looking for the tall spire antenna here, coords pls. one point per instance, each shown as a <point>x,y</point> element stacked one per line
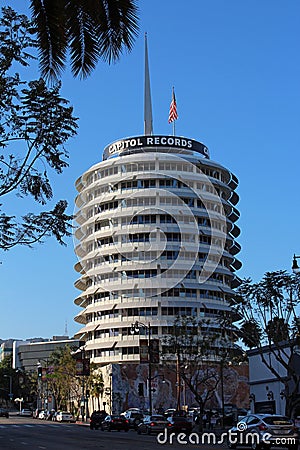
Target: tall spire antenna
<point>148,122</point>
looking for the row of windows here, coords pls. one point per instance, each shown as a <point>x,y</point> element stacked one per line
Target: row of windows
<point>143,219</point>
<point>139,201</point>
<point>192,185</point>
<point>151,201</point>
<point>151,293</point>
<point>156,219</point>
<point>99,352</point>
<point>180,292</point>
<point>148,273</point>
<point>146,311</point>
<point>150,166</point>
<point>109,332</point>
<point>107,206</point>
<point>170,237</point>
<point>138,184</point>
<point>178,311</point>
<point>166,330</point>
<point>129,312</point>
<point>126,331</point>
<point>169,183</point>
<point>164,218</point>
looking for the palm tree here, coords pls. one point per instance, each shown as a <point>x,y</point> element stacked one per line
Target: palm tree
<point>96,385</point>
<point>89,29</point>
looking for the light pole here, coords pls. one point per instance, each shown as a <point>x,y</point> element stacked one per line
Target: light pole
<point>295,267</point>
<point>10,387</point>
<point>222,390</point>
<point>135,329</point>
<point>40,377</point>
<point>110,392</point>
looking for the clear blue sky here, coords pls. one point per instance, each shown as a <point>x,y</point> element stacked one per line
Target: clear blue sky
<point>236,71</point>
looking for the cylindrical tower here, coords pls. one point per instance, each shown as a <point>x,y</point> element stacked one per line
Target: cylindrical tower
<point>156,240</point>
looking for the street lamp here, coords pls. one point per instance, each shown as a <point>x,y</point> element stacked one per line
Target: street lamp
<point>135,329</point>
<point>283,395</point>
<point>252,398</point>
<point>295,267</point>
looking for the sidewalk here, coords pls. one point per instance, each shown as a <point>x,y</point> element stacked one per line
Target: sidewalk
<point>84,424</point>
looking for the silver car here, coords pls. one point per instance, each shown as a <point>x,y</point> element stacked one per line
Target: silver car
<point>264,431</point>
<point>152,424</point>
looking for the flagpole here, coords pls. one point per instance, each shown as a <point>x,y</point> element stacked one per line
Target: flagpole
<point>173,116</point>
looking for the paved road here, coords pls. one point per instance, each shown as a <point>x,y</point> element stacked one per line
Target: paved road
<point>20,433</point>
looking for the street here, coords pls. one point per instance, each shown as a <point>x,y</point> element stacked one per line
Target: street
<point>20,433</point>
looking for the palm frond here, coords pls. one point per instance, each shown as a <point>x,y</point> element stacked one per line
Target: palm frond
<point>118,28</point>
<point>83,42</point>
<point>90,29</point>
<point>49,18</point>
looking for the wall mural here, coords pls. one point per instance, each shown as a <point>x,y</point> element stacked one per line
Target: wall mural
<point>127,387</point>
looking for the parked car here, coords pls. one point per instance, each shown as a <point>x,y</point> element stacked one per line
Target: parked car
<point>4,413</point>
<point>96,419</point>
<point>264,430</point>
<point>50,414</point>
<point>42,415</point>
<point>169,412</point>
<point>26,412</point>
<point>64,416</point>
<point>179,424</point>
<point>134,417</point>
<point>53,418</point>
<point>115,423</point>
<point>36,413</point>
<point>152,424</point>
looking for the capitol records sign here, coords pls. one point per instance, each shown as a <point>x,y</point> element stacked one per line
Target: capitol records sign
<point>157,143</point>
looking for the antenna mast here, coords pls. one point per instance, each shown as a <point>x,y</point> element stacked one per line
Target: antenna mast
<point>148,121</point>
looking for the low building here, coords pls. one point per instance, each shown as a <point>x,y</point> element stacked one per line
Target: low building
<point>28,355</point>
<point>6,349</point>
<point>270,384</point>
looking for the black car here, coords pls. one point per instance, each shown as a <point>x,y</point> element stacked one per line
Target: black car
<point>96,419</point>
<point>179,424</point>
<point>115,423</point>
<point>4,413</point>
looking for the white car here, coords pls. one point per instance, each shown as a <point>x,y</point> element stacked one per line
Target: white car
<point>42,415</point>
<point>26,413</point>
<point>64,416</point>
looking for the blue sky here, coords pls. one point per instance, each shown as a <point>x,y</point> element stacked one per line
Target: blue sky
<point>236,71</point>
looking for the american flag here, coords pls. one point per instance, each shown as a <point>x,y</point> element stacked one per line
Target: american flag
<point>173,109</point>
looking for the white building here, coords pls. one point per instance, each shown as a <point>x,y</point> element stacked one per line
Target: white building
<point>156,240</point>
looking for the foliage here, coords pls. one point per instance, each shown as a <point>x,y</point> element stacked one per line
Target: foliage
<point>6,364</point>
<point>89,29</point>
<point>61,377</point>
<point>21,384</point>
<point>35,124</point>
<point>270,323</point>
<point>96,384</point>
